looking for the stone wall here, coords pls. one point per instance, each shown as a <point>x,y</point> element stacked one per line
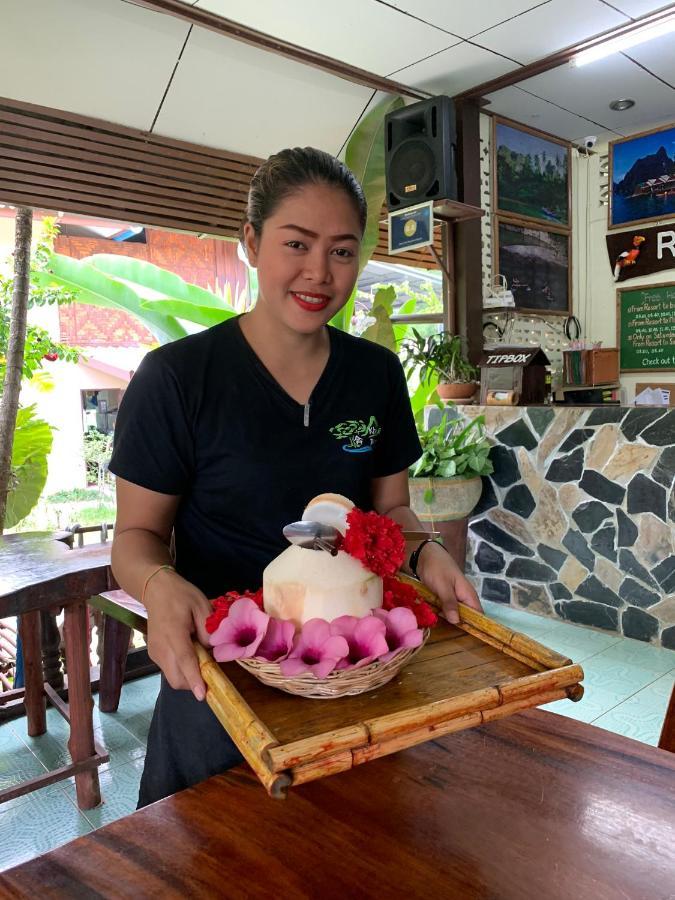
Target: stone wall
<point>577,520</point>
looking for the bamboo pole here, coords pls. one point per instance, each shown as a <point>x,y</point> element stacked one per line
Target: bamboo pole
<point>417,736</point>
<point>320,746</point>
<point>241,723</point>
<point>328,765</point>
<point>553,679</point>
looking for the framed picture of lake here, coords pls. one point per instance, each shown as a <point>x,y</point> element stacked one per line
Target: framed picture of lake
<point>530,174</point>
<point>642,177</point>
<point>536,264</point>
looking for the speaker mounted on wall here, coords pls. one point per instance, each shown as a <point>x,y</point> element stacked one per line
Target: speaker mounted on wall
<point>420,153</point>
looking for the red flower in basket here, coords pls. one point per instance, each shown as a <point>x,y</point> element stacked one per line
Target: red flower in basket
<point>377,541</point>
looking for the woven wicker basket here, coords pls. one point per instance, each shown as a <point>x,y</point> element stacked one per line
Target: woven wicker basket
<point>338,684</point>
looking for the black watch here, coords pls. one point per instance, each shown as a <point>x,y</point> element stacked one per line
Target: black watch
<point>415,555</point>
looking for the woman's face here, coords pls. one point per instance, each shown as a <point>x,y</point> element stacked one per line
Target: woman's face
<point>307,257</point>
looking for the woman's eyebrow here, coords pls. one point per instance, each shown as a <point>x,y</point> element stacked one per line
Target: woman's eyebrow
<point>313,234</point>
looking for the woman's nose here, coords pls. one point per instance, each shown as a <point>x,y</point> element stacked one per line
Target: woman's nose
<point>317,268</point>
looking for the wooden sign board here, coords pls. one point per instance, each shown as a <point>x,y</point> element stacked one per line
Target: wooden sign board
<point>646,328</point>
<point>641,251</point>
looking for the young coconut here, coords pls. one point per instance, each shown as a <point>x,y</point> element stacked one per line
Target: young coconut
<point>303,584</point>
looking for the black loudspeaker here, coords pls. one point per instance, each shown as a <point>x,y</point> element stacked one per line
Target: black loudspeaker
<point>420,153</point>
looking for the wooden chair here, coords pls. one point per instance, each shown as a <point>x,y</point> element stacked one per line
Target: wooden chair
<point>121,615</point>
<point>667,739</point>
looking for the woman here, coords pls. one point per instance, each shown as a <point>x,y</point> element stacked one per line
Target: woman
<point>224,436</point>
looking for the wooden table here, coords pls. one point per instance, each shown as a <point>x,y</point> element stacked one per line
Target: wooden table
<point>38,574</point>
<point>535,806</point>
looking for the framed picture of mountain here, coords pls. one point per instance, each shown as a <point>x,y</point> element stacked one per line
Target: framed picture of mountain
<point>530,174</point>
<point>536,264</point>
<point>642,177</point>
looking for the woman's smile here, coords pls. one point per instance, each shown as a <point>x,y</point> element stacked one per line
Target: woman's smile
<point>310,301</point>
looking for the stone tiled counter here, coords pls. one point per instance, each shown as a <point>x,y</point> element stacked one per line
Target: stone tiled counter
<point>577,520</point>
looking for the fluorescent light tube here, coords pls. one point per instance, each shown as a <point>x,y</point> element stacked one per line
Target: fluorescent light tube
<point>623,42</point>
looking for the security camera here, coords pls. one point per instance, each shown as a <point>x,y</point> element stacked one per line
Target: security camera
<point>590,141</point>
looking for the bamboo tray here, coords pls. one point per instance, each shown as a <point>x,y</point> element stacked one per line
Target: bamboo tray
<point>464,676</point>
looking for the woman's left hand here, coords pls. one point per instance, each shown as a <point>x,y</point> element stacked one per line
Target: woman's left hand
<point>441,574</point>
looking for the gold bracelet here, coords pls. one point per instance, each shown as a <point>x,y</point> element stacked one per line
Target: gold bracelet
<point>152,575</point>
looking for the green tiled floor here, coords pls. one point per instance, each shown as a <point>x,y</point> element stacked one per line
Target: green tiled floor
<point>628,684</point>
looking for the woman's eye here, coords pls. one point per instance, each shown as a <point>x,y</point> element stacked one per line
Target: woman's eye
<point>344,253</point>
<point>296,245</point>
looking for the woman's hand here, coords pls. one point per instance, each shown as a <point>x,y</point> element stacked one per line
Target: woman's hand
<point>441,574</point>
<point>177,610</point>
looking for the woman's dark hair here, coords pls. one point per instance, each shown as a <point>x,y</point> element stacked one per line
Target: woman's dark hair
<point>288,171</point>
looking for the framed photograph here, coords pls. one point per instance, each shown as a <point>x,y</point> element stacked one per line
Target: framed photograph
<point>642,177</point>
<point>531,174</point>
<point>536,264</point>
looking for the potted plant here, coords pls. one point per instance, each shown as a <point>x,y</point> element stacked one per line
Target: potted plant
<point>445,482</point>
<point>441,354</point>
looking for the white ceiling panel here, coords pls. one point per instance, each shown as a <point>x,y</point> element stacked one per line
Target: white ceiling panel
<point>363,33</point>
<point>658,56</point>
<point>455,70</point>
<point>551,27</point>
<point>463,18</point>
<point>637,8</point>
<point>93,57</point>
<point>523,107</point>
<point>229,95</point>
<point>588,91</point>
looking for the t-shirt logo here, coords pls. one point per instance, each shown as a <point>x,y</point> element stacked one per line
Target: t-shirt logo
<point>360,436</point>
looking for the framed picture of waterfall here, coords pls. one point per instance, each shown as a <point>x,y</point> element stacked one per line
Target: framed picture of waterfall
<point>642,177</point>
<point>531,174</point>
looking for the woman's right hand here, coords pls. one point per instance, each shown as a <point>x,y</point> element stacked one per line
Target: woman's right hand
<point>177,610</point>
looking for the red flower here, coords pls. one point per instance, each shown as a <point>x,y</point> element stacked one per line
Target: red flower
<point>221,606</point>
<point>376,541</point>
<point>397,593</point>
<point>52,357</point>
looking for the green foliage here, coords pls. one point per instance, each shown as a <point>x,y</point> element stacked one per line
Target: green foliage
<point>382,331</point>
<point>32,445</point>
<point>74,495</point>
<point>97,452</point>
<point>437,354</point>
<point>454,449</point>
<point>364,154</point>
<point>38,342</point>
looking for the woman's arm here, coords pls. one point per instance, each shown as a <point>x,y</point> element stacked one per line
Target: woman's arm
<point>176,608</point>
<point>436,568</point>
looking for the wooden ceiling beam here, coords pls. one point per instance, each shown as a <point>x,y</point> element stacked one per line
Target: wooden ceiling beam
<point>238,32</point>
<point>561,58</point>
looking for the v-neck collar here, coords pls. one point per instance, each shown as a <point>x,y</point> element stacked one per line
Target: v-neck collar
<point>323,383</point>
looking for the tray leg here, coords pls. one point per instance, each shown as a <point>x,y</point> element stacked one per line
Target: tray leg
<point>34,695</point>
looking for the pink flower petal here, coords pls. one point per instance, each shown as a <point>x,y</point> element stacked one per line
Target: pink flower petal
<point>278,640</point>
<point>402,631</point>
<point>239,635</point>
<point>344,626</point>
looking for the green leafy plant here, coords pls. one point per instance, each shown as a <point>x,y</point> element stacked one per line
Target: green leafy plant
<point>453,449</point>
<point>32,445</point>
<point>439,355</point>
<point>97,452</point>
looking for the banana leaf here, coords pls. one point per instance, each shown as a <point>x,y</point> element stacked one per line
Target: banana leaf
<point>96,288</point>
<point>32,445</point>
<point>364,154</point>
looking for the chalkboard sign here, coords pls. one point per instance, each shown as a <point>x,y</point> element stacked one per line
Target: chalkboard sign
<point>646,328</point>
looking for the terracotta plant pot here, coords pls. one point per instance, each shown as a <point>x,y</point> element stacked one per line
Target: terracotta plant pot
<point>453,498</point>
<point>456,390</point>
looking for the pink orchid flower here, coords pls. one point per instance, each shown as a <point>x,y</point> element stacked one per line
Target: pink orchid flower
<point>278,640</point>
<point>366,639</point>
<point>402,632</point>
<point>240,634</point>
<point>315,650</point>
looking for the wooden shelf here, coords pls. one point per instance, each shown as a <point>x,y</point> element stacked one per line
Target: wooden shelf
<point>454,211</point>
<point>604,386</point>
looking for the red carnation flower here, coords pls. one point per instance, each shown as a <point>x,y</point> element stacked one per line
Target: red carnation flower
<point>376,541</point>
<point>221,606</point>
<point>398,593</point>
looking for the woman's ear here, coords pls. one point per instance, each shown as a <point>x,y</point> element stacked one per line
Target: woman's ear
<point>251,244</point>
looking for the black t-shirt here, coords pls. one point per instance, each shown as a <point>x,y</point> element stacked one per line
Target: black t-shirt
<point>203,418</point>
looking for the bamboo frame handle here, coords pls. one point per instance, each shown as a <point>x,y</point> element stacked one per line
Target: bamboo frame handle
<point>247,731</point>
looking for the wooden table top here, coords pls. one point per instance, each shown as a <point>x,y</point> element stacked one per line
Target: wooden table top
<point>535,806</point>
<point>36,573</point>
